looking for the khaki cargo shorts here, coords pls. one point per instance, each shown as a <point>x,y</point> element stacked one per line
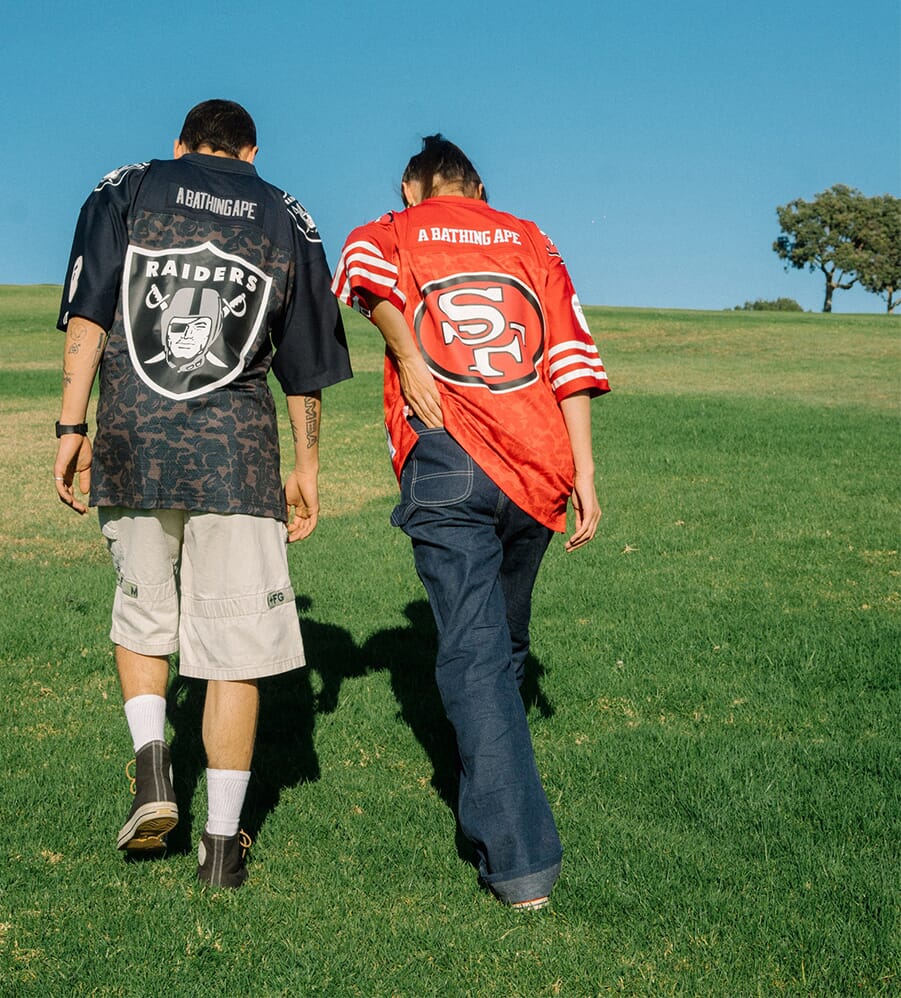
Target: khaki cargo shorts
<point>210,586</point>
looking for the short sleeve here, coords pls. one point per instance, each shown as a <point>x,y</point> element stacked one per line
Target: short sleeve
<point>310,344</point>
<point>94,274</point>
<point>368,265</point>
<point>574,362</point>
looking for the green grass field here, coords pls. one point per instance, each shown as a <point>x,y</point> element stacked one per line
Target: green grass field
<point>714,696</point>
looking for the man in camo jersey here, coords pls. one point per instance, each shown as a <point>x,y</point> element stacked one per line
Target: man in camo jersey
<point>188,279</point>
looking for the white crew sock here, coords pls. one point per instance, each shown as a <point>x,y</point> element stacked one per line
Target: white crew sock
<point>146,716</point>
<point>225,789</point>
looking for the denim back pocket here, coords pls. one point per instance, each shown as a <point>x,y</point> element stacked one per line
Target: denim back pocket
<point>438,472</point>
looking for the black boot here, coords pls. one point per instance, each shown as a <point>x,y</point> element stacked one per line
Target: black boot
<point>221,859</point>
<point>154,812</point>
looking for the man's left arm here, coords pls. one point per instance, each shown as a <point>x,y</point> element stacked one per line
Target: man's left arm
<point>302,485</point>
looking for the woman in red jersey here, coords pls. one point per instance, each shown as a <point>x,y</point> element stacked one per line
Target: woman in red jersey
<point>489,372</point>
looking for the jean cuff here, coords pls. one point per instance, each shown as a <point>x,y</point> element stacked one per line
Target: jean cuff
<point>523,885</point>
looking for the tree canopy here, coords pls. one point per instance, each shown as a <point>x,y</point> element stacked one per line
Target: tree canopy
<point>879,269</point>
<point>848,237</point>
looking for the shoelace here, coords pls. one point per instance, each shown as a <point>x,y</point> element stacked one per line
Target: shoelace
<point>130,775</point>
<point>244,840</point>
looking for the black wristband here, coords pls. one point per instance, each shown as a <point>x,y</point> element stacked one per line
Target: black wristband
<point>62,429</point>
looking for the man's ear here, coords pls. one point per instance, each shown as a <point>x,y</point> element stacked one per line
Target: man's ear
<point>248,153</point>
<point>179,149</point>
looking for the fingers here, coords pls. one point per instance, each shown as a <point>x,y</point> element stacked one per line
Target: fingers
<point>73,462</point>
<point>426,405</point>
<point>66,494</point>
<point>588,516</point>
<point>579,539</point>
<point>301,525</point>
<point>302,504</point>
<point>430,414</point>
<point>421,392</point>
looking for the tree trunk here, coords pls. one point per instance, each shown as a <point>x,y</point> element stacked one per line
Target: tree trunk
<point>830,287</point>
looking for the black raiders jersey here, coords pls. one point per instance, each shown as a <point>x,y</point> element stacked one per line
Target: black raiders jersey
<point>205,276</point>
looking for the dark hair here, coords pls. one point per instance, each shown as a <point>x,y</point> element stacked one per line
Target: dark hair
<point>222,125</point>
<point>442,159</point>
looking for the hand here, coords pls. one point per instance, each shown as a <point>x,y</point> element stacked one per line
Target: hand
<point>587,510</point>
<point>416,381</point>
<point>302,499</point>
<point>420,391</point>
<point>73,457</point>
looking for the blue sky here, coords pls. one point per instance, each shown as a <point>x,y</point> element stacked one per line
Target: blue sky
<point>652,141</point>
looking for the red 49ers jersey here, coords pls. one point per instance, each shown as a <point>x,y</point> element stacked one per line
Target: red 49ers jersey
<point>493,310</point>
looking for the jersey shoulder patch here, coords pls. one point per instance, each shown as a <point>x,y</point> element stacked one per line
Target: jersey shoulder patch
<point>115,178</point>
<point>549,244</point>
<point>302,219</point>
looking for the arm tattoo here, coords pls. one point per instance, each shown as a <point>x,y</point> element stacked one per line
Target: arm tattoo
<point>77,332</point>
<point>312,422</point>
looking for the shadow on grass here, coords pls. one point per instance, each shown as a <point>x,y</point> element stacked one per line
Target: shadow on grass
<point>408,654</point>
<point>283,757</point>
<point>285,754</point>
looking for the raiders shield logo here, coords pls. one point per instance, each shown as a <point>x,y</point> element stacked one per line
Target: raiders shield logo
<point>191,317</point>
<point>484,330</point>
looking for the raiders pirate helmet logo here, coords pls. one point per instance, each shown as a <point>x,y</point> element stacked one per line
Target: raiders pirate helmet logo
<point>483,330</point>
<point>191,317</point>
<point>190,326</point>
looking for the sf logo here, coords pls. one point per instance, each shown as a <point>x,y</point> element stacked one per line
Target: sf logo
<point>480,326</point>
<point>485,330</point>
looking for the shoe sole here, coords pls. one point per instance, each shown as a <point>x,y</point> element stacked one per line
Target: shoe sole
<point>231,881</point>
<point>536,904</point>
<point>147,828</point>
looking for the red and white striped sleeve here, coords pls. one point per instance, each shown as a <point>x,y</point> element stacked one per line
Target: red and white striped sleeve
<point>576,366</point>
<point>574,362</point>
<point>366,265</point>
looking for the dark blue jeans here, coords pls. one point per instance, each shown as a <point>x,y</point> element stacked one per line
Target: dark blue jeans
<point>478,555</point>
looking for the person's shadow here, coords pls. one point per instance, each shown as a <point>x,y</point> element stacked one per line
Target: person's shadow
<point>408,654</point>
<point>285,754</point>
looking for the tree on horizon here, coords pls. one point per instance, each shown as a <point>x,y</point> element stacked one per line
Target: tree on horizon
<point>823,234</point>
<point>879,270</point>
